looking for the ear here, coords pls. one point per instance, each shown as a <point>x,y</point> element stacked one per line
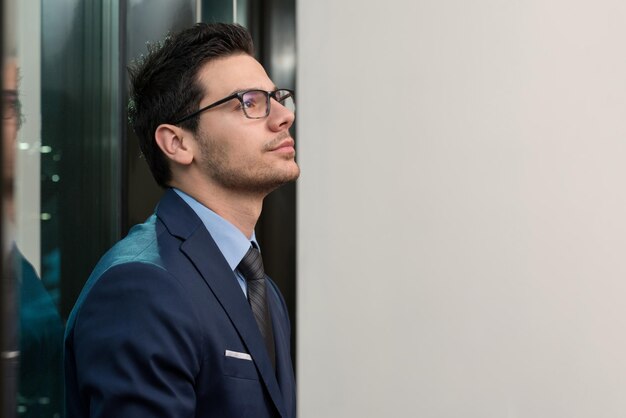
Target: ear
<point>170,139</point>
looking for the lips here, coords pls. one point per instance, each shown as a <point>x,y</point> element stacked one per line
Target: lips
<point>287,143</point>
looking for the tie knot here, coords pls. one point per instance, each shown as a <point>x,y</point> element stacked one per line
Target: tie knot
<point>251,265</point>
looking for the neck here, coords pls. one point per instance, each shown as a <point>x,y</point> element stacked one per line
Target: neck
<point>240,209</point>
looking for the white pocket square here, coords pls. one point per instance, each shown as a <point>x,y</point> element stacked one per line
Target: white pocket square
<point>237,354</point>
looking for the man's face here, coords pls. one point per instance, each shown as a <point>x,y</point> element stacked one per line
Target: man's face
<point>9,113</point>
<point>10,116</point>
<point>237,153</point>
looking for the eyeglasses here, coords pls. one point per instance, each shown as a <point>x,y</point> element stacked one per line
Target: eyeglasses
<point>10,104</point>
<point>254,103</point>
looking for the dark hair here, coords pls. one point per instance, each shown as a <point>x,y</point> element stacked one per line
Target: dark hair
<point>165,87</point>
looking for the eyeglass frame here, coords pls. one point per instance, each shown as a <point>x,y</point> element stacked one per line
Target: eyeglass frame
<point>11,106</point>
<point>239,95</point>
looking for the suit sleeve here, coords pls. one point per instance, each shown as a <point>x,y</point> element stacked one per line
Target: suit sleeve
<point>137,345</point>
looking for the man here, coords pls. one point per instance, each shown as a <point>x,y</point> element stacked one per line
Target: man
<point>178,319</point>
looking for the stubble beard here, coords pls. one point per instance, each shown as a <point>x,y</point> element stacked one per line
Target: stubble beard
<point>245,177</point>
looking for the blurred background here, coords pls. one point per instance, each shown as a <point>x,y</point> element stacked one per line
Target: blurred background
<point>454,246</point>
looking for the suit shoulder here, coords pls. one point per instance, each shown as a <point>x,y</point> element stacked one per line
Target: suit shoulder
<point>137,254</point>
<point>139,245</point>
<point>142,245</point>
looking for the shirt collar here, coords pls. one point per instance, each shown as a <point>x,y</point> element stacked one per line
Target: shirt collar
<point>232,243</point>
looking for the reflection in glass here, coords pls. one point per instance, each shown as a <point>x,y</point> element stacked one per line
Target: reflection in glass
<point>40,327</point>
<point>32,329</point>
<point>8,290</point>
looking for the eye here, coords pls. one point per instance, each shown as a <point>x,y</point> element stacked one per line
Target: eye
<point>251,99</point>
<point>248,104</point>
<point>10,105</point>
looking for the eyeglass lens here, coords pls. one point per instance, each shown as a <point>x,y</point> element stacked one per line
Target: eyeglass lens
<point>255,102</point>
<point>10,104</point>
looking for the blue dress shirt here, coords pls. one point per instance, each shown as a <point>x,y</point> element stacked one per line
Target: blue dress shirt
<point>232,243</point>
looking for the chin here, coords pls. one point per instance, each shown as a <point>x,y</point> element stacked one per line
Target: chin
<point>293,169</point>
<point>272,183</point>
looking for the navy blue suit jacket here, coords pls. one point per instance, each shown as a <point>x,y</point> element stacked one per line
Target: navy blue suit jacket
<point>148,334</point>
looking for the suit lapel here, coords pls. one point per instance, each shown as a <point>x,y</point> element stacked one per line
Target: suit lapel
<point>284,370</point>
<point>200,248</point>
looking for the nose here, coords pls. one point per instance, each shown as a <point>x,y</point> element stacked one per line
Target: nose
<point>280,118</point>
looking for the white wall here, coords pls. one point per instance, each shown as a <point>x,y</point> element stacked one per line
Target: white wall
<point>462,208</point>
<point>28,153</point>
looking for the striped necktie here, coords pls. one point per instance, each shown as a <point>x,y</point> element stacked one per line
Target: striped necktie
<point>251,267</point>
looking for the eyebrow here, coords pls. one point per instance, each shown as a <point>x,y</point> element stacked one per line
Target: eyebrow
<point>236,91</point>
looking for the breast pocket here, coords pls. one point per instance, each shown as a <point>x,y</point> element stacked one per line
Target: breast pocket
<point>239,365</point>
